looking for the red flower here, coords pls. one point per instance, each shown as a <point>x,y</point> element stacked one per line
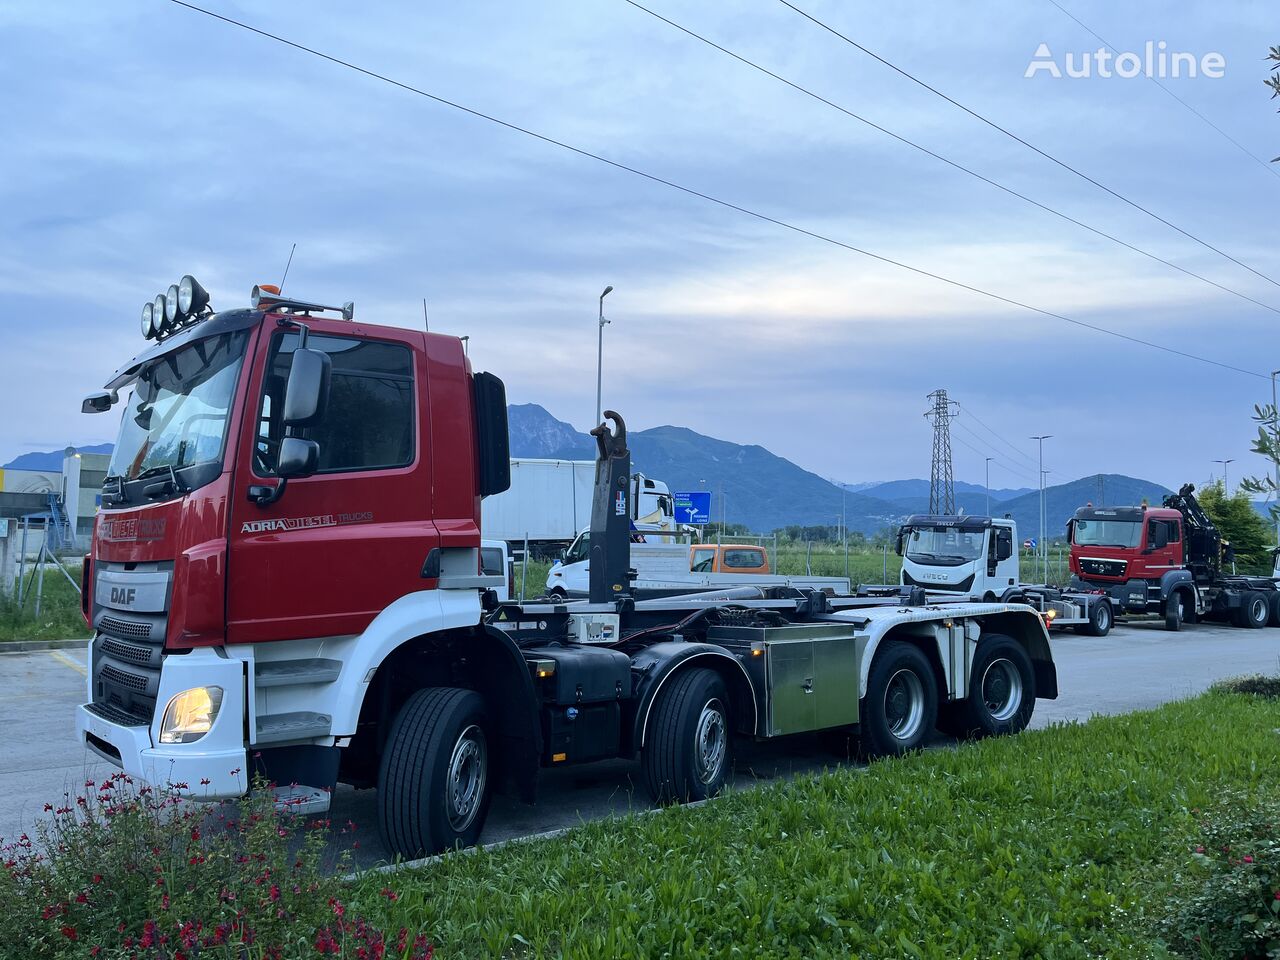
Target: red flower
<point>1248,859</point>
<point>204,781</point>
<point>70,933</point>
<point>95,950</point>
<point>82,897</point>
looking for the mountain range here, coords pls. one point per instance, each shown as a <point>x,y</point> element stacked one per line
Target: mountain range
<point>751,486</point>
<point>754,487</point>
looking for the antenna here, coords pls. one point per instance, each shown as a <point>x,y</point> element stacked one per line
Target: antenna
<point>286,267</point>
<point>426,324</point>
<point>942,490</point>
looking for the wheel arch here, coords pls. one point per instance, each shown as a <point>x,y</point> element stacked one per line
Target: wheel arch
<point>1027,629</point>
<point>478,658</point>
<point>1172,580</point>
<point>660,662</point>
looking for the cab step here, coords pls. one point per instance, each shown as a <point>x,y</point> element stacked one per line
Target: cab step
<point>285,727</point>
<point>288,673</point>
<point>299,798</point>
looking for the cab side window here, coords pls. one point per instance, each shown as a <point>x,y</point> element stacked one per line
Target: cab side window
<point>369,421</point>
<point>703,561</point>
<point>744,559</point>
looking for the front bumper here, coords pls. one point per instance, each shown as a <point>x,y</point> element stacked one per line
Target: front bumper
<point>212,768</point>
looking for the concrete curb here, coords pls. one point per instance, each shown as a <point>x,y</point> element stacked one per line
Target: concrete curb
<point>27,646</point>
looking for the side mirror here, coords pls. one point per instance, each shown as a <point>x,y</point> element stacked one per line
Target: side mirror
<point>99,402</point>
<point>897,547</point>
<point>298,457</point>
<point>307,393</point>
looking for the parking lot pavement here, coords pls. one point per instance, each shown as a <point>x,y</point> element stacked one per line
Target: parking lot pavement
<point>1137,667</point>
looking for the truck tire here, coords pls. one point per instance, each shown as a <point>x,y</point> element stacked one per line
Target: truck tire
<point>1253,612</point>
<point>1002,692</point>
<point>900,709</point>
<point>690,739</point>
<point>1101,620</point>
<point>433,781</point>
<point>1174,609</point>
<point>1273,600</point>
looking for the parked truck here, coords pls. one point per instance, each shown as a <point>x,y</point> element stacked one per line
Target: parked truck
<point>549,501</point>
<point>286,581</point>
<point>1168,561</point>
<point>976,558</point>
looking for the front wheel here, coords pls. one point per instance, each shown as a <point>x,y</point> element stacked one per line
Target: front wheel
<point>901,706</point>
<point>1174,610</point>
<point>1002,691</point>
<point>689,743</point>
<point>433,782</point>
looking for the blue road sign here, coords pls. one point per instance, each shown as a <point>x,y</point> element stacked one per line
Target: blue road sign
<point>694,507</point>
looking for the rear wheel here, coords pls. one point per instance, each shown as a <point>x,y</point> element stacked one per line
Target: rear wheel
<point>689,742</point>
<point>1002,692</point>
<point>1273,601</point>
<point>1254,610</point>
<point>1100,619</point>
<point>433,782</point>
<point>901,706</point>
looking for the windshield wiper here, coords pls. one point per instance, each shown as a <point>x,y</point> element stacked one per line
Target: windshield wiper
<point>116,495</point>
<point>170,484</point>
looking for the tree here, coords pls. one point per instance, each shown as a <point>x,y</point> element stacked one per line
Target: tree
<point>1240,525</point>
<point>1266,445</point>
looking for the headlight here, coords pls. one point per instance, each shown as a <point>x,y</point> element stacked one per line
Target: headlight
<point>171,311</point>
<point>148,320</point>
<point>190,714</point>
<point>191,296</point>
<point>158,312</point>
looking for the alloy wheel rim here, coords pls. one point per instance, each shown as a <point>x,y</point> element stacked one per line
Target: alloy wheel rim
<point>711,741</point>
<point>1002,689</point>
<point>904,704</point>
<point>465,783</point>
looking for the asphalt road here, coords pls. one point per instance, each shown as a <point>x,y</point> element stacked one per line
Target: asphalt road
<point>1138,666</point>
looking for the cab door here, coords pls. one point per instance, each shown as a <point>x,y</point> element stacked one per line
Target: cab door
<point>1163,549</point>
<point>339,546</point>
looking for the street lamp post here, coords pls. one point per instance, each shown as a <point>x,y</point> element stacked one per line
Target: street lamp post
<point>1226,484</point>
<point>466,339</point>
<point>989,459</point>
<point>600,350</point>
<point>1040,440</point>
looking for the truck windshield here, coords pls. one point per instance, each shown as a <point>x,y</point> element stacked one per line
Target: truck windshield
<point>1107,533</point>
<point>177,414</point>
<point>944,545</point>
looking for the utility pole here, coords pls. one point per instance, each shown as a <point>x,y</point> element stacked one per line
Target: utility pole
<point>942,488</point>
<point>989,459</point>
<point>1044,526</point>
<point>1040,440</point>
<point>600,350</point>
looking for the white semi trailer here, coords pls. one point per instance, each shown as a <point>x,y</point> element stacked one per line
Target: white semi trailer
<point>549,501</point>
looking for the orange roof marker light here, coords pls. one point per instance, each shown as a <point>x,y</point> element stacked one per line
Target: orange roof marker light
<point>267,297</point>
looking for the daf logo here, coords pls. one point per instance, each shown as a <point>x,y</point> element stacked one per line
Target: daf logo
<point>123,595</point>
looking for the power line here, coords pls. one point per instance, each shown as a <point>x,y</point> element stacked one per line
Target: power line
<point>983,424</point>
<point>999,457</point>
<point>1025,143</point>
<point>949,162</point>
<point>1025,474</point>
<point>1243,149</point>
<point>729,205</point>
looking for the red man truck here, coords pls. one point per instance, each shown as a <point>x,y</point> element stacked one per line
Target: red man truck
<point>286,579</point>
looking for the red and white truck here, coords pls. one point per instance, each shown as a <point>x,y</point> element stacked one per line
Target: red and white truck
<point>286,579</point>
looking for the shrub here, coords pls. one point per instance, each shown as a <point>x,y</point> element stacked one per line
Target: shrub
<point>1256,684</point>
<point>1228,904</point>
<point>125,871</point>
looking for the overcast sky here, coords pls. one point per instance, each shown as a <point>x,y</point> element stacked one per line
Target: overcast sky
<point>143,141</point>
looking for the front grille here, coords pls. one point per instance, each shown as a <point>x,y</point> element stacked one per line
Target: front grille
<point>128,629</point>
<point>129,680</point>
<point>143,656</point>
<point>1102,568</point>
<point>116,714</point>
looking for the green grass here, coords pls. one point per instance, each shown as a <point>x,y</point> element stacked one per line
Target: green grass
<point>59,618</point>
<point>1056,843</point>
